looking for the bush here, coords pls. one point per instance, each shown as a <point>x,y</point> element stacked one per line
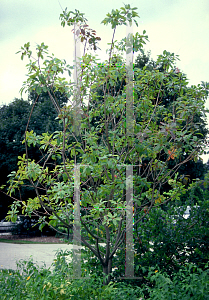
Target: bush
<point>189,283</point>
<point>32,282</point>
<point>167,240</point>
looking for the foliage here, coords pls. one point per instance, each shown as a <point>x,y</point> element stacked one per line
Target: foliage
<point>190,282</point>
<point>171,91</point>
<point>148,138</point>
<point>167,240</point>
<point>12,127</point>
<point>13,123</point>
<point>32,282</point>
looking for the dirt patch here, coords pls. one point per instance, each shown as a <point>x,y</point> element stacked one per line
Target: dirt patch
<point>39,239</point>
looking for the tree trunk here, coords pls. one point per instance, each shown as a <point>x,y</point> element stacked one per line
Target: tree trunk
<point>107,269</point>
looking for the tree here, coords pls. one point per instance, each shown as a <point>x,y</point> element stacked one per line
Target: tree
<point>14,119</point>
<point>43,112</point>
<point>125,154</point>
<point>172,90</point>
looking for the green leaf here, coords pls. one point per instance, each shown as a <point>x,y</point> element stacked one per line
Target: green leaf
<point>65,177</point>
<point>41,226</point>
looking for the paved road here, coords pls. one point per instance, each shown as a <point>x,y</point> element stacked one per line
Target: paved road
<point>41,253</point>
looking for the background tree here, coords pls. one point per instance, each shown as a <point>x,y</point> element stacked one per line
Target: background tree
<point>14,119</point>
<point>104,150</point>
<point>174,88</point>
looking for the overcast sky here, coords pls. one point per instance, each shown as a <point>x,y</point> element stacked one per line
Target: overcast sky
<point>179,26</point>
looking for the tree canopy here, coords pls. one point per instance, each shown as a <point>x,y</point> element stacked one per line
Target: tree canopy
<point>14,120</point>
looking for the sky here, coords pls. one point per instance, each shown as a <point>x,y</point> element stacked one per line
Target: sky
<point>179,26</point>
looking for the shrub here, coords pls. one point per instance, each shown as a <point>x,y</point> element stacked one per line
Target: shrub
<point>167,240</point>
<point>189,283</point>
<point>32,282</point>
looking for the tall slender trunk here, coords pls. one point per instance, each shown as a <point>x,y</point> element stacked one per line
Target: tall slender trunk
<point>107,269</point>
